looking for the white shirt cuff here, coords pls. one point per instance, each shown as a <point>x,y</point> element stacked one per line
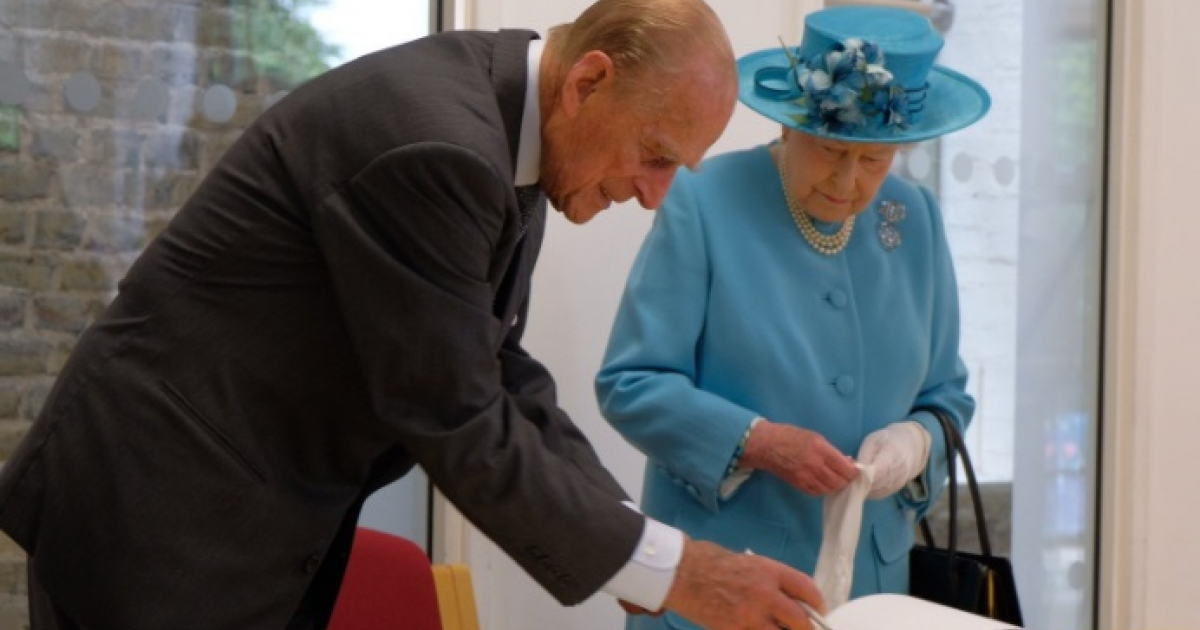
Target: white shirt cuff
<point>647,577</point>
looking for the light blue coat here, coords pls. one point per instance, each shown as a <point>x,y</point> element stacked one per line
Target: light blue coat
<point>729,314</point>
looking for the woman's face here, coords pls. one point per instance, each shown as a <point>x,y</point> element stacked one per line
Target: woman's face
<point>833,180</point>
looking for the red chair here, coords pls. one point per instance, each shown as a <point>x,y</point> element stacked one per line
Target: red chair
<point>388,586</point>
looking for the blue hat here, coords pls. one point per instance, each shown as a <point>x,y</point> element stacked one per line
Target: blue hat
<point>862,74</point>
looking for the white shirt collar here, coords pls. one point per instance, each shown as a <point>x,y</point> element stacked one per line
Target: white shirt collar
<point>529,147</point>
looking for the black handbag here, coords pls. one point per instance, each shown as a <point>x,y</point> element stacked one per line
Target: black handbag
<point>978,583</point>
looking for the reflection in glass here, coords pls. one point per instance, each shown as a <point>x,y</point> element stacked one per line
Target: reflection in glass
<point>1020,193</point>
<point>918,162</point>
<point>961,167</point>
<point>219,104</point>
<point>107,123</point>
<point>150,100</point>
<point>14,86</point>
<point>82,92</point>
<point>1005,171</point>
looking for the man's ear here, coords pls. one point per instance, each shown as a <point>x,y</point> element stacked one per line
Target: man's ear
<point>591,74</point>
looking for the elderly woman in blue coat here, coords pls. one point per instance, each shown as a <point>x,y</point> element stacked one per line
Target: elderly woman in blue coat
<point>794,308</point>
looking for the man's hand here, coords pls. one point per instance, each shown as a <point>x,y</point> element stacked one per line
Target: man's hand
<point>722,590</point>
<point>802,458</point>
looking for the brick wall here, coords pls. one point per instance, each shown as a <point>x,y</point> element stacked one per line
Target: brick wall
<point>110,113</point>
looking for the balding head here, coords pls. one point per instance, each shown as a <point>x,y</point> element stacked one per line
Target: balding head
<point>652,43</point>
<point>629,92</point>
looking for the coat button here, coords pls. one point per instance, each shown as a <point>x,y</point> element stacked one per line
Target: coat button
<point>844,385</point>
<point>312,564</point>
<point>837,298</point>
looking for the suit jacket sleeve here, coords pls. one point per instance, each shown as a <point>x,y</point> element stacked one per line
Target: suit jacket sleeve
<point>532,389</point>
<point>412,244</point>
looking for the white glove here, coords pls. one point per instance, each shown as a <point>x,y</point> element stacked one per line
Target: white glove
<point>898,453</point>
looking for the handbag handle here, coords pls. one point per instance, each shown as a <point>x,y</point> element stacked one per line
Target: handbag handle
<point>957,448</point>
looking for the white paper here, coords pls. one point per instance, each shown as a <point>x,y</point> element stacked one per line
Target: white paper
<point>888,611</point>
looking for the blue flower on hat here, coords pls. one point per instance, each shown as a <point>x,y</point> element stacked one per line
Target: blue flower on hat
<point>846,88</point>
<point>836,84</point>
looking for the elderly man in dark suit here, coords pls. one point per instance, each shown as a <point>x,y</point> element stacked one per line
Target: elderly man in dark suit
<point>343,298</point>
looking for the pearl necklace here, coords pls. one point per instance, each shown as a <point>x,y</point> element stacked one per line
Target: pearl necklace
<point>827,244</point>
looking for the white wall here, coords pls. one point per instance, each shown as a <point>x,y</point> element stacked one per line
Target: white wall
<point>1150,501</point>
<point>580,275</point>
<point>1152,359</point>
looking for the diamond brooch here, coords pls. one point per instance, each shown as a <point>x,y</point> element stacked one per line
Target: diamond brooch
<point>892,213</point>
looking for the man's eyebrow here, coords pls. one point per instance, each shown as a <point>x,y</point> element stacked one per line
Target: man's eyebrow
<point>660,148</point>
<point>663,148</point>
<point>673,154</point>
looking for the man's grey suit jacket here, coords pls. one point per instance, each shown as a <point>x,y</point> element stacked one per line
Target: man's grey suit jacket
<point>342,297</point>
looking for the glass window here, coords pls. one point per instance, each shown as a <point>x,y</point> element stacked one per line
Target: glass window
<point>110,114</point>
<point>357,27</point>
<point>1022,194</point>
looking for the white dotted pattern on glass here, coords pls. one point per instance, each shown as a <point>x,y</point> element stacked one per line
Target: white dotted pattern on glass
<point>1005,171</point>
<point>14,86</point>
<point>219,104</point>
<point>150,101</point>
<point>82,92</point>
<point>918,162</point>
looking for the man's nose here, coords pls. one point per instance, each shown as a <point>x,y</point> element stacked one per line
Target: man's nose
<point>652,187</point>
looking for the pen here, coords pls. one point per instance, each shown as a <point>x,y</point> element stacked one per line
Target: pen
<point>812,612</point>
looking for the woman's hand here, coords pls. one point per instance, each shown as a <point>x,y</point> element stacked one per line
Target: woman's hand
<point>802,458</point>
<point>898,452</point>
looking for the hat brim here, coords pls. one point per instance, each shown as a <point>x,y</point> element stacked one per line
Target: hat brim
<point>953,101</point>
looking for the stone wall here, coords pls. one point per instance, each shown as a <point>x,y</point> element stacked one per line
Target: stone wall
<point>110,113</point>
